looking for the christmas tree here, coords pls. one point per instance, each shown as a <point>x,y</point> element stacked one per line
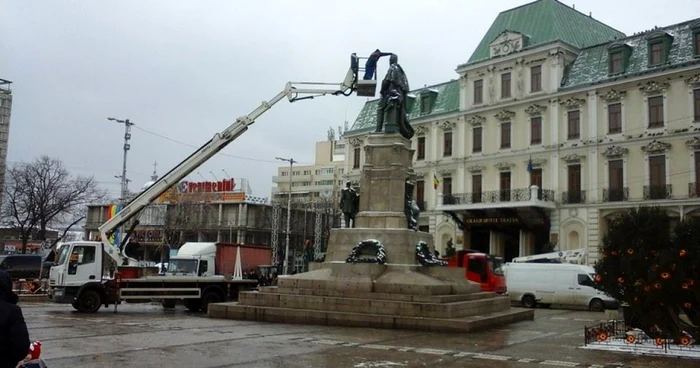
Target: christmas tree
<point>655,271</point>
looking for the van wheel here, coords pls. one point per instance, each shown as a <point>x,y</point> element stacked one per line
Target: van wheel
<point>89,302</point>
<point>529,301</point>
<point>596,305</point>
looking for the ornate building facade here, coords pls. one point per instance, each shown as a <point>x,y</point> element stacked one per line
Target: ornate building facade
<point>549,131</point>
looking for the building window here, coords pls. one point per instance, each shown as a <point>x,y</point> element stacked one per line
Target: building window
<point>536,78</point>
<point>574,124</point>
<point>656,112</point>
<point>476,188</point>
<point>505,135</point>
<point>504,186</point>
<point>574,179</point>
<point>656,53</point>
<point>420,194</point>
<point>616,63</point>
<point>447,144</point>
<point>696,39</point>
<point>421,148</point>
<point>694,188</point>
<point>536,130</point>
<point>478,91</point>
<point>615,118</point>
<point>657,177</point>
<point>356,158</point>
<point>696,104</point>
<point>505,85</point>
<point>615,180</point>
<point>536,178</point>
<point>447,186</point>
<point>424,104</point>
<point>476,139</point>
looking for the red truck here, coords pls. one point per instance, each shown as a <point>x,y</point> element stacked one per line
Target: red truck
<point>482,268</point>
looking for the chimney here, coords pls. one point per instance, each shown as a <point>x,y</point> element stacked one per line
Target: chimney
<point>590,14</point>
<point>573,6</point>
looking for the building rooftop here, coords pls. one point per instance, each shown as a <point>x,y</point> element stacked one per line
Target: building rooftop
<point>592,64</point>
<point>544,21</point>
<point>444,99</point>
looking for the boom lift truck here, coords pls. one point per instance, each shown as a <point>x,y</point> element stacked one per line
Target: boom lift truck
<point>576,256</point>
<point>79,276</point>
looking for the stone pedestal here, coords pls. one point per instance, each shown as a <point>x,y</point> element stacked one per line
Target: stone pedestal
<point>398,294</point>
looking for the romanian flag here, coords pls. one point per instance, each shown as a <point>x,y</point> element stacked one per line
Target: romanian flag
<point>436,182</point>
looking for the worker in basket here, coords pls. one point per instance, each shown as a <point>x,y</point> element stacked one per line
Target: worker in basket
<point>371,64</point>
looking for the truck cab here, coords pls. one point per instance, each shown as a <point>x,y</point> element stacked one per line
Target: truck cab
<point>482,268</point>
<point>77,264</point>
<point>193,259</point>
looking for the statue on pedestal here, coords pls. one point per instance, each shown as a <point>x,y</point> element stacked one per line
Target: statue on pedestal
<point>349,204</point>
<point>411,208</point>
<point>392,114</point>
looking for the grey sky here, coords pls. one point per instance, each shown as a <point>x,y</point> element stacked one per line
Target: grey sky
<point>187,69</point>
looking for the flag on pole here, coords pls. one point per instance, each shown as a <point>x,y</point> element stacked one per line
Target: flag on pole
<point>530,169</point>
<point>436,182</point>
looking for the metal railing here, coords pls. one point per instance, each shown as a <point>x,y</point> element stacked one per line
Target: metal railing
<point>658,191</point>
<point>616,194</point>
<point>497,196</point>
<point>574,196</point>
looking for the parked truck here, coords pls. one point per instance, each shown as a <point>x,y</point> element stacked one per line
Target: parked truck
<point>89,274</point>
<point>210,259</point>
<point>482,268</point>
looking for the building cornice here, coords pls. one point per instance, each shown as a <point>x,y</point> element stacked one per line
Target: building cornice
<point>550,46</point>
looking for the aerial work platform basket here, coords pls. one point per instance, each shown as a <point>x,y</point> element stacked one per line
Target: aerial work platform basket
<point>363,87</point>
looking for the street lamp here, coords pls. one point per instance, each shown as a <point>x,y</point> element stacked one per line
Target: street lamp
<point>285,264</point>
<point>127,146</point>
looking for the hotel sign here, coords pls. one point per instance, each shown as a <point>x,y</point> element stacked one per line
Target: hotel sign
<point>491,220</point>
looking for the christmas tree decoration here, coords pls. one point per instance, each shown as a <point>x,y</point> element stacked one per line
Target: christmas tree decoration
<point>652,269</point>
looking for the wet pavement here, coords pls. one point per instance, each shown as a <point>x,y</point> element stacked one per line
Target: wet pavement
<point>145,335</point>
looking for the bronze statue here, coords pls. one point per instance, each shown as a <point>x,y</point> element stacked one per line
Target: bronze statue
<point>411,208</point>
<point>392,114</point>
<point>349,204</point>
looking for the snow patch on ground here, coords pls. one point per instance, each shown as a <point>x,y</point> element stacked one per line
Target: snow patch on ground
<point>673,351</point>
<point>379,364</point>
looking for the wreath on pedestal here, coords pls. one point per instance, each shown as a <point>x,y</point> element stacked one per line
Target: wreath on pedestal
<point>373,245</point>
<point>425,257</point>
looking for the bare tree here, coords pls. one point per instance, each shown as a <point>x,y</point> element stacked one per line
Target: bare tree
<point>185,215</point>
<point>18,207</point>
<point>44,193</point>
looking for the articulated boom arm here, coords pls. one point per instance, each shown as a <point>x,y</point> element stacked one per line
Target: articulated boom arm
<point>575,256</point>
<point>220,140</point>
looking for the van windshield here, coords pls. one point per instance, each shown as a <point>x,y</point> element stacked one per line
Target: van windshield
<point>497,266</point>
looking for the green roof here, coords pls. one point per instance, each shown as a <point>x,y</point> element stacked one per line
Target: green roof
<point>592,64</point>
<point>545,21</point>
<point>445,101</point>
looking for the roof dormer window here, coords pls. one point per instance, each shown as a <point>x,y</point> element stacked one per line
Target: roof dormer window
<point>427,99</point>
<point>618,54</point>
<point>659,43</point>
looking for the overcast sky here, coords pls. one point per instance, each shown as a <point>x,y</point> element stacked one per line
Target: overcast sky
<point>184,70</point>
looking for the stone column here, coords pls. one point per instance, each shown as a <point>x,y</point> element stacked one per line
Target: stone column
<point>382,186</point>
<point>522,241</point>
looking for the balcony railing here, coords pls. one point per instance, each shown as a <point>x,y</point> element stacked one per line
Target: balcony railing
<point>658,191</point>
<point>573,196</point>
<point>616,194</point>
<point>693,190</point>
<point>496,196</point>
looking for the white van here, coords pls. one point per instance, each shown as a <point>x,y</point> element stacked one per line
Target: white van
<point>555,283</point>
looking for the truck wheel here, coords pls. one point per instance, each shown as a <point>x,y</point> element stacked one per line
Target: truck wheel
<point>210,297</point>
<point>529,301</point>
<point>168,303</point>
<point>596,305</point>
<point>89,302</point>
<point>193,305</point>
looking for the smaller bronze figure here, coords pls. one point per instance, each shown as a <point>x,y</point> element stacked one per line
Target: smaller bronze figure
<point>411,208</point>
<point>349,204</point>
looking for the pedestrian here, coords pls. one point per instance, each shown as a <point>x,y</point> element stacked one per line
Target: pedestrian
<point>371,64</point>
<point>14,338</point>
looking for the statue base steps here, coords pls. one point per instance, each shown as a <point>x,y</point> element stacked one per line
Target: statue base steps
<point>401,296</point>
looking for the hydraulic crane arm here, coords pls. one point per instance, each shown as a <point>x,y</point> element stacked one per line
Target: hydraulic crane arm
<point>293,91</point>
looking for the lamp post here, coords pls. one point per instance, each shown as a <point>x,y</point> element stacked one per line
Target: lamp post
<point>127,146</point>
<point>285,264</point>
